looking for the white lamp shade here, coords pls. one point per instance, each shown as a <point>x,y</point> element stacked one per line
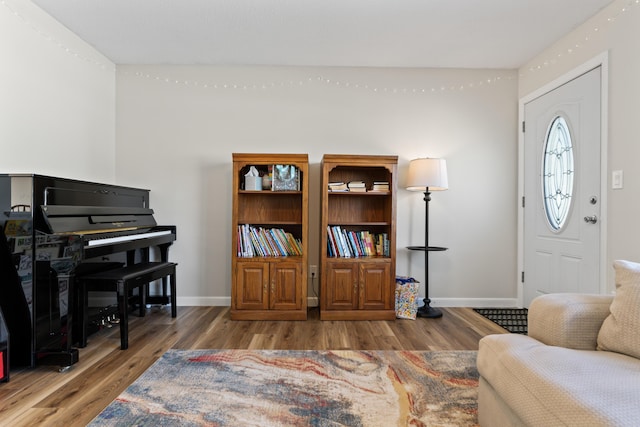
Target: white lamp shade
<point>427,173</point>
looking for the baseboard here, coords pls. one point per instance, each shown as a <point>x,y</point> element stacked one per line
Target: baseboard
<point>313,302</point>
<point>475,302</point>
<point>204,301</point>
<point>223,301</point>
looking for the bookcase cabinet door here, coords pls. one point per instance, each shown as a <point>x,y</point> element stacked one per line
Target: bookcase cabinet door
<point>285,292</point>
<point>342,286</point>
<point>252,287</point>
<point>373,285</point>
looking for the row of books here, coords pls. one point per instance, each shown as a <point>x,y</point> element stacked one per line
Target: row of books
<point>266,242</point>
<point>358,186</point>
<point>347,244</point>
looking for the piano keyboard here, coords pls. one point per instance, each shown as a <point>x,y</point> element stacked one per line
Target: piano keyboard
<point>126,238</point>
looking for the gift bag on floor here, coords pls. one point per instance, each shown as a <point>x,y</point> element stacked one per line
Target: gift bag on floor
<point>406,297</point>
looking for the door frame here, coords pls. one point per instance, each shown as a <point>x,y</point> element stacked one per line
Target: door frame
<point>601,61</point>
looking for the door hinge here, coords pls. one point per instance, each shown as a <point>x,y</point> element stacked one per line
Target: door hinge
<point>523,126</point>
<point>523,201</point>
<point>522,277</point>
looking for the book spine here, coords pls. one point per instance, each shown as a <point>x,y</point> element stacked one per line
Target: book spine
<point>369,244</point>
<point>379,250</point>
<point>244,242</point>
<point>243,251</point>
<point>281,246</point>
<point>255,241</point>
<point>385,244</point>
<point>331,243</point>
<point>295,245</point>
<point>354,245</point>
<point>336,235</point>
<point>280,236</point>
<point>360,244</point>
<point>267,241</point>
<point>345,244</point>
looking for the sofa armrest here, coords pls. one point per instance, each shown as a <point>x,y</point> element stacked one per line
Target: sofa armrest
<point>568,320</point>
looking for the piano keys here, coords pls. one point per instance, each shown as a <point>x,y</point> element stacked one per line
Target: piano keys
<point>102,241</point>
<point>57,229</point>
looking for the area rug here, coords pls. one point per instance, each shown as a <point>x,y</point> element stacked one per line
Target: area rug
<point>300,388</point>
<point>513,320</point>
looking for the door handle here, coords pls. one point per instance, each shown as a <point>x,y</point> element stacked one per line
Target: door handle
<point>591,219</point>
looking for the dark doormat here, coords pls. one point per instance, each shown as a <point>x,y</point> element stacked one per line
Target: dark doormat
<point>513,320</point>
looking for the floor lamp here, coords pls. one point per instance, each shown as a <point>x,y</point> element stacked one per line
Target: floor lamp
<point>427,175</point>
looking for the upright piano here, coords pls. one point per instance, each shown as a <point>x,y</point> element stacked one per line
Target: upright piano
<point>53,230</point>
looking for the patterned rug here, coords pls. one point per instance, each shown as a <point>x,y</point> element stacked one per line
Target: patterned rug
<point>300,388</point>
<point>513,320</point>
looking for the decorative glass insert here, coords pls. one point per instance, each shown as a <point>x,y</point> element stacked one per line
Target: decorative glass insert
<point>557,173</point>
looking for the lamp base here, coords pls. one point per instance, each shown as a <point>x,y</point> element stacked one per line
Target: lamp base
<point>427,311</point>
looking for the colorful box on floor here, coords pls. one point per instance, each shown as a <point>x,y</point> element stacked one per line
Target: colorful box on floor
<point>406,297</point>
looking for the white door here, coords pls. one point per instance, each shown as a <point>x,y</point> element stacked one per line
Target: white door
<point>562,180</point>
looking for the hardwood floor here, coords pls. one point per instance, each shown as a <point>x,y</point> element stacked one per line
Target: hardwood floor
<point>44,396</point>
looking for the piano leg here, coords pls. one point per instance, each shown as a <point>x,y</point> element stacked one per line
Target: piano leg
<point>174,298</point>
<point>83,313</point>
<point>123,312</point>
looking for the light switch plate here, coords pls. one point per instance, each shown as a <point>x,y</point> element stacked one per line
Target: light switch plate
<point>617,180</point>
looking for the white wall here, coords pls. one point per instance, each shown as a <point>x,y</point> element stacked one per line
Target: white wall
<point>57,99</point>
<point>61,113</point>
<point>178,125</point>
<point>615,30</point>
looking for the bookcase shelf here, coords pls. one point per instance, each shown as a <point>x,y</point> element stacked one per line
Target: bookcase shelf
<point>269,287</point>
<point>357,287</point>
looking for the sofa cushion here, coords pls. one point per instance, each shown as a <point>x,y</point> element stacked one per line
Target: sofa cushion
<point>568,320</point>
<point>548,385</point>
<point>619,331</point>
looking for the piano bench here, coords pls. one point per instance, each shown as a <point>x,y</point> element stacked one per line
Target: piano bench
<point>122,280</point>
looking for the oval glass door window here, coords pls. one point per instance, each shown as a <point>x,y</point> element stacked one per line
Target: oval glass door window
<point>557,173</point>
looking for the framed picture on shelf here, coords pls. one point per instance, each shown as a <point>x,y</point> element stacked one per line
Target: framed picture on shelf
<point>285,178</point>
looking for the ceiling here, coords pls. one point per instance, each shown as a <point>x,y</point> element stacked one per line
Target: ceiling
<point>368,33</point>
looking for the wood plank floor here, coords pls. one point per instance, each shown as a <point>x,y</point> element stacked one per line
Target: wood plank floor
<point>44,396</point>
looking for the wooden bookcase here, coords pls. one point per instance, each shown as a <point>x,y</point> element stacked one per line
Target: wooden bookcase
<point>358,287</point>
<point>270,287</point>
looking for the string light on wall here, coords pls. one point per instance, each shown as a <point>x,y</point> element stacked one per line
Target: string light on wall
<point>591,35</point>
<point>56,42</point>
<point>320,80</point>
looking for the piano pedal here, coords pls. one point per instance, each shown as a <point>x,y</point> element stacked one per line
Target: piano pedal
<point>104,318</point>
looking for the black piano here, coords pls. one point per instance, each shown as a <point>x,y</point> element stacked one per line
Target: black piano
<point>53,230</point>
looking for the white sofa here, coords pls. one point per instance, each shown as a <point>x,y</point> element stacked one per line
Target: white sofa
<point>578,366</point>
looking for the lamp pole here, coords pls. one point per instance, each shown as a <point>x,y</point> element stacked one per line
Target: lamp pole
<point>426,310</point>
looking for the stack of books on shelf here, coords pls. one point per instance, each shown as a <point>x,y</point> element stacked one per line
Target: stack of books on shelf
<point>380,186</point>
<point>357,186</point>
<point>338,186</point>
<point>348,244</point>
<point>266,242</point>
